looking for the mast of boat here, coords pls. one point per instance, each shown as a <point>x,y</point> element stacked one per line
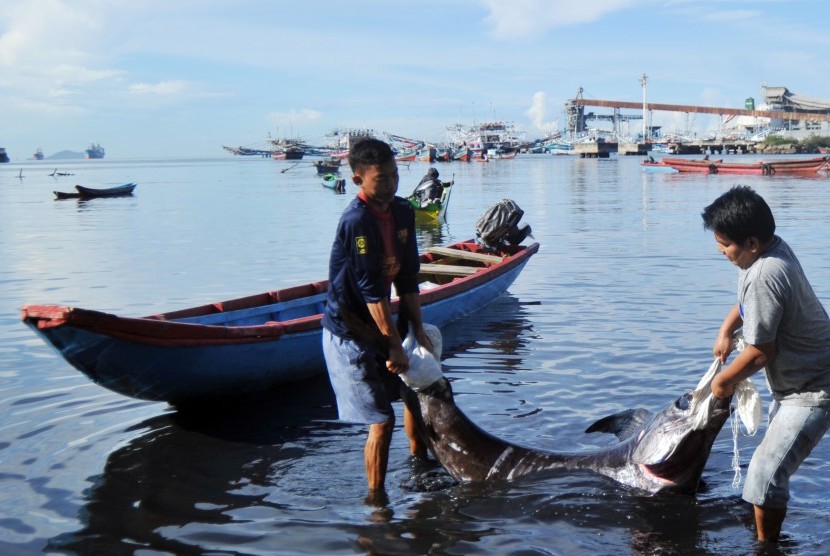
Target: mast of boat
<point>643,81</point>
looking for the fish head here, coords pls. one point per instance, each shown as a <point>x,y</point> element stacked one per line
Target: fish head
<point>672,448</point>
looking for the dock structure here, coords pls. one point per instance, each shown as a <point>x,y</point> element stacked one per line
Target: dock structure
<point>595,149</point>
<point>603,149</point>
<point>799,116</point>
<point>639,149</point>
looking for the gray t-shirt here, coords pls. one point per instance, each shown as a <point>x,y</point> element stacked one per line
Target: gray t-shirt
<point>778,303</point>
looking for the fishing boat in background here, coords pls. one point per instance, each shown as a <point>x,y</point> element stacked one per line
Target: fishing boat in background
<point>443,154</point>
<point>82,192</point>
<point>254,343</point>
<point>38,155</point>
<point>652,165</point>
<point>333,181</point>
<point>245,151</point>
<point>289,153</point>
<point>327,165</point>
<point>429,202</point>
<point>286,149</point>
<point>4,157</point>
<point>488,140</point>
<point>341,140</point>
<point>761,167</point>
<point>462,154</point>
<point>95,150</point>
<point>427,154</point>
<point>409,156</point>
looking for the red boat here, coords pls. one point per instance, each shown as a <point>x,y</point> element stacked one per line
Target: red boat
<point>761,167</point>
<point>664,164</point>
<point>409,156</point>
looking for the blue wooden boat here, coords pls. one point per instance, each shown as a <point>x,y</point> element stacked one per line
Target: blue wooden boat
<point>253,343</point>
<point>327,166</point>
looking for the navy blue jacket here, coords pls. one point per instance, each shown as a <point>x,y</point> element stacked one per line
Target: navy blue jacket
<point>356,269</point>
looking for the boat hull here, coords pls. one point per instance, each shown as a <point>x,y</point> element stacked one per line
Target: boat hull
<point>434,211</point>
<point>761,168</point>
<point>234,348</point>
<point>332,181</point>
<point>82,192</point>
<point>657,167</point>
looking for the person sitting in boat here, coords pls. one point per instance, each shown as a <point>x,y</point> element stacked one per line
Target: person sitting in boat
<point>430,189</point>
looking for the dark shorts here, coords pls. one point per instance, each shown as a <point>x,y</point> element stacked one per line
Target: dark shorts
<point>364,388</point>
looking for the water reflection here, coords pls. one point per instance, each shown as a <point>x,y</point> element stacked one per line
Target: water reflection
<point>192,474</point>
<point>431,233</point>
<point>501,329</point>
<point>201,466</point>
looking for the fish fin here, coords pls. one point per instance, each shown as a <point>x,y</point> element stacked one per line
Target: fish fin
<point>623,424</point>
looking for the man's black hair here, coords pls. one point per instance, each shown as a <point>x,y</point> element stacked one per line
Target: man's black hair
<point>369,152</point>
<point>740,214</point>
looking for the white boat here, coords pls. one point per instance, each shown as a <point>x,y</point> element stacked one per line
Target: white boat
<point>494,139</point>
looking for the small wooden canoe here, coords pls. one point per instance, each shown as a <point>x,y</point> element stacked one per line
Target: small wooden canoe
<point>82,192</point>
<point>435,209</point>
<point>333,181</point>
<point>229,348</point>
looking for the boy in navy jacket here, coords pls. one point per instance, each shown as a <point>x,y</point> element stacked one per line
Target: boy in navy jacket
<point>374,247</point>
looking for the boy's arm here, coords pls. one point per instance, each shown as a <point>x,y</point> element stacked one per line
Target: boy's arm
<point>723,343</point>
<point>749,361</point>
<point>381,313</point>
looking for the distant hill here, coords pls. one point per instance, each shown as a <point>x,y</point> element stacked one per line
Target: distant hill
<point>64,155</point>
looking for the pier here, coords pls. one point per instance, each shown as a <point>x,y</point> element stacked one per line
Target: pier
<point>799,115</point>
<point>603,149</point>
<point>595,149</point>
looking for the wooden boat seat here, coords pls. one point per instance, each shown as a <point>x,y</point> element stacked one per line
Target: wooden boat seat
<point>468,255</point>
<point>451,270</point>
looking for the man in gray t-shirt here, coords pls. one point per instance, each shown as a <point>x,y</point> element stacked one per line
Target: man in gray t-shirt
<point>787,333</point>
<point>777,303</point>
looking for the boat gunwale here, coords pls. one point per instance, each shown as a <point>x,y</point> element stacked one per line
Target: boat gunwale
<point>162,329</point>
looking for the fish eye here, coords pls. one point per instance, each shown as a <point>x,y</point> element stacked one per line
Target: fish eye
<point>684,402</point>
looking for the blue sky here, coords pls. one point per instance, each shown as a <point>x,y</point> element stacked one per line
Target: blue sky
<point>178,78</point>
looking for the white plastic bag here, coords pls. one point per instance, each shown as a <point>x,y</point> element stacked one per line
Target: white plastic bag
<point>424,367</point>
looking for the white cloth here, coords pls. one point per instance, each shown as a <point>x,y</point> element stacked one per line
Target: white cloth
<point>747,406</point>
<point>747,400</point>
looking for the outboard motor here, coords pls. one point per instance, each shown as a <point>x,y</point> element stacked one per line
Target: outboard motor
<point>499,225</point>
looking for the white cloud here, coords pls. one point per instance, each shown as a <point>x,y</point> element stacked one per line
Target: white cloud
<point>163,88</point>
<point>293,117</point>
<point>78,74</point>
<point>513,19</point>
<point>729,16</point>
<point>47,32</point>
<point>537,113</point>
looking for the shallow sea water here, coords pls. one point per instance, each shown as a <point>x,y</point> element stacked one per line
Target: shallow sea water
<point>618,309</point>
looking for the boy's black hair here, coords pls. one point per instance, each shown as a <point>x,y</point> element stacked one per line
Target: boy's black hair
<point>369,152</point>
<point>740,214</point>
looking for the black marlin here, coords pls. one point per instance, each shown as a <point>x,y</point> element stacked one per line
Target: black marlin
<point>657,452</point>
